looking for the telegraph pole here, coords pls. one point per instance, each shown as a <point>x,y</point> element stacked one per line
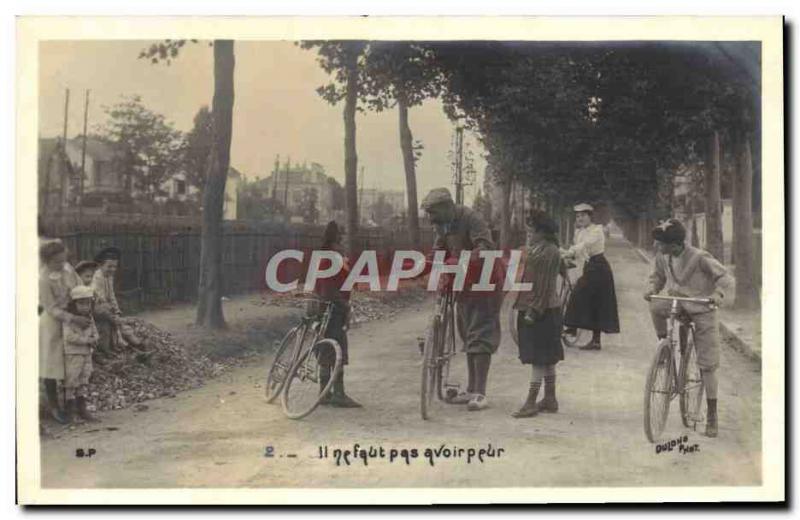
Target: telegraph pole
<point>360,193</point>
<point>458,163</point>
<point>275,173</point>
<point>83,150</point>
<point>46,204</point>
<point>286,187</point>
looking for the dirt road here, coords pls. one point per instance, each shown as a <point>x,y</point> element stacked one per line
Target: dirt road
<point>218,435</point>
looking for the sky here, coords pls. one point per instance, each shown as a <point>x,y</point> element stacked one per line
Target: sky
<point>276,108</point>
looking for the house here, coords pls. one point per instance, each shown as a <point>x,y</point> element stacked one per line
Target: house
<point>55,176</point>
<point>103,172</point>
<point>59,171</point>
<point>288,184</point>
<point>380,205</point>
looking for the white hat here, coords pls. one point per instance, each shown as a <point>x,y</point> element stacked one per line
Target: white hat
<point>436,196</point>
<point>583,207</point>
<point>81,292</point>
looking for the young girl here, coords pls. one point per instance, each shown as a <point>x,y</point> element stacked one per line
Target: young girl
<point>56,279</point>
<point>539,314</point>
<point>107,311</point>
<point>79,341</point>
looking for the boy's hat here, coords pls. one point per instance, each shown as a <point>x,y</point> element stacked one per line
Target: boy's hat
<point>85,265</point>
<point>81,292</point>
<point>671,231</point>
<point>578,208</point>
<point>436,196</point>
<point>109,253</point>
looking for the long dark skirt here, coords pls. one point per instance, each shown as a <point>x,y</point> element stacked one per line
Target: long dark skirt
<point>593,304</point>
<point>540,342</point>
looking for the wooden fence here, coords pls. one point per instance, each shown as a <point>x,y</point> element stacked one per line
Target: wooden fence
<point>160,261</point>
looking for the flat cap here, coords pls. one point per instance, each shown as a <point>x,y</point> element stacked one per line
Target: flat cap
<point>436,196</point>
<point>81,292</point>
<point>670,231</point>
<point>582,207</point>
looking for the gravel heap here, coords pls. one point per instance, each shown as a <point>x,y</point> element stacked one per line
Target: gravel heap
<point>159,367</point>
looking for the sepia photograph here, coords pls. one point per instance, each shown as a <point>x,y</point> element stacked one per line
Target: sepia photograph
<point>400,260</point>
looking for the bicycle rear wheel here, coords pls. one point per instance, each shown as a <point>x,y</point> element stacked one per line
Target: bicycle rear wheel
<point>691,383</point>
<point>582,337</point>
<point>658,392</point>
<point>430,354</point>
<point>303,391</point>
<point>281,364</point>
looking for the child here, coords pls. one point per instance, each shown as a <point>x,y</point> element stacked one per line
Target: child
<point>539,314</point>
<point>687,271</point>
<point>85,270</point>
<point>79,341</point>
<point>56,278</point>
<point>107,310</point>
<point>330,290</point>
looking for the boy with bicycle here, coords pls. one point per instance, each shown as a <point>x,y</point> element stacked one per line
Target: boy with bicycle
<point>690,272</point>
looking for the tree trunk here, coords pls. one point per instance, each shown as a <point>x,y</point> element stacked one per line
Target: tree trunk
<point>350,157</point>
<point>714,243</point>
<point>209,297</point>
<point>407,149</point>
<point>505,212</point>
<point>747,291</point>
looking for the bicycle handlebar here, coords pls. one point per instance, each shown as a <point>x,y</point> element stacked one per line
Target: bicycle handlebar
<point>706,301</point>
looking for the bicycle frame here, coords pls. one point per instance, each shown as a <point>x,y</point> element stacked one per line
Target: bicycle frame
<point>674,313</point>
<point>315,324</point>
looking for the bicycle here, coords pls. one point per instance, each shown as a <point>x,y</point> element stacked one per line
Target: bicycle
<point>582,337</point>
<point>297,362</point>
<point>438,349</point>
<point>665,380</point>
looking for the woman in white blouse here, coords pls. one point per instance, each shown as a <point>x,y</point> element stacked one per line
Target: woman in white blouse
<point>593,303</point>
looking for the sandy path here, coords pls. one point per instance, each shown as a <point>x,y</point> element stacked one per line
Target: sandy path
<point>216,436</point>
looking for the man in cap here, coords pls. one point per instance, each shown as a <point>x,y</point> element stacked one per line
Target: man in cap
<point>459,228</point>
<point>690,272</point>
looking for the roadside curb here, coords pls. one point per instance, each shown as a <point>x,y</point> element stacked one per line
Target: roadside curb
<point>726,329</point>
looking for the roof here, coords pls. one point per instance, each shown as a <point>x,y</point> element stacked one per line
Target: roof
<point>95,148</point>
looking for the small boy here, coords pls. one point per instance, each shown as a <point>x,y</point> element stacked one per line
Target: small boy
<point>78,344</point>
<point>687,271</point>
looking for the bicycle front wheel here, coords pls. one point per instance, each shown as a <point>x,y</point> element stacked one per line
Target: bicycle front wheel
<point>305,385</point>
<point>691,382</point>
<point>658,393</point>
<point>444,355</point>
<point>281,364</point>
<point>430,354</point>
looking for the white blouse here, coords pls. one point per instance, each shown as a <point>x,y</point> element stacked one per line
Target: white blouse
<point>589,241</point>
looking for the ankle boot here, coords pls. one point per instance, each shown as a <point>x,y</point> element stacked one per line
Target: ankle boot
<point>529,409</point>
<point>72,412</point>
<point>548,402</point>
<point>84,412</point>
<point>340,398</point>
<point>54,410</point>
<point>324,379</point>
<point>711,418</point>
